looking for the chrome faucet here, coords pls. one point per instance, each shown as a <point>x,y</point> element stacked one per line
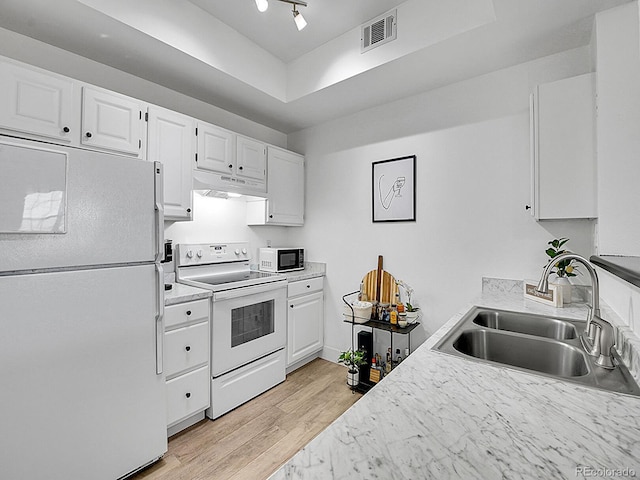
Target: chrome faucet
<point>599,336</point>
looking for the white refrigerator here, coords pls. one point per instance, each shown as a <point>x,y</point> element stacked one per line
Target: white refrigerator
<point>82,393</point>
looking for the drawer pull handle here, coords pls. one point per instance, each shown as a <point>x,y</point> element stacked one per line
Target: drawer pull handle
<point>188,348</point>
<point>291,305</point>
<point>88,135</point>
<point>188,395</point>
<point>65,129</point>
<point>188,312</point>
<point>308,286</point>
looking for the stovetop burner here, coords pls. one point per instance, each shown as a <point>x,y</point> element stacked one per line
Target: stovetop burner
<point>218,267</point>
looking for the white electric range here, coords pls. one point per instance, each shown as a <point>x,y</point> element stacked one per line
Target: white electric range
<point>248,320</point>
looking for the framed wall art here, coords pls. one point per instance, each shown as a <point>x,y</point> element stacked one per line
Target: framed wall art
<point>394,190</point>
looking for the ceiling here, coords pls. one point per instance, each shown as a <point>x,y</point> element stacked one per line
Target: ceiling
<point>275,31</point>
<point>259,66</point>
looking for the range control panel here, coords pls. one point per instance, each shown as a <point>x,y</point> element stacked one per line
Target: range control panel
<point>206,253</point>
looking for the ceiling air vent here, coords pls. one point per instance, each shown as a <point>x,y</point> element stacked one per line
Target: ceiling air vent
<point>378,31</point>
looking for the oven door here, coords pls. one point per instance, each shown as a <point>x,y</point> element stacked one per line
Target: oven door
<point>248,323</point>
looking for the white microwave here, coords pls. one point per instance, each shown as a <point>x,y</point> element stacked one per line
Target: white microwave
<point>278,259</point>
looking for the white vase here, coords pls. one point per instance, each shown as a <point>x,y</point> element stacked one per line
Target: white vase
<point>353,377</point>
<point>564,286</point>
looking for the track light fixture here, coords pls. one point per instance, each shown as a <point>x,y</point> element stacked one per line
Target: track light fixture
<point>298,18</point>
<point>262,6</point>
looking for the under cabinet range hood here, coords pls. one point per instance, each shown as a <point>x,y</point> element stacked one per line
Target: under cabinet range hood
<point>223,182</point>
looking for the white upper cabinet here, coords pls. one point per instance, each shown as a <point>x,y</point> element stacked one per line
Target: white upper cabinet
<point>38,103</point>
<point>251,159</point>
<point>229,162</point>
<point>563,149</point>
<point>284,204</point>
<point>216,148</point>
<point>172,141</point>
<point>112,121</point>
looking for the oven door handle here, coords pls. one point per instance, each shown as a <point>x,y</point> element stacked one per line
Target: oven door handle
<point>252,290</point>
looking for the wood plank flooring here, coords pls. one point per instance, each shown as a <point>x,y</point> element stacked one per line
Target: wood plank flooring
<point>254,440</point>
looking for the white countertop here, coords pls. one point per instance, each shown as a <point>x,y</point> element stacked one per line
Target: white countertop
<point>181,293</point>
<point>444,417</point>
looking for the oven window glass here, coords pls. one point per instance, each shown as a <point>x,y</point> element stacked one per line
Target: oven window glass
<point>252,321</point>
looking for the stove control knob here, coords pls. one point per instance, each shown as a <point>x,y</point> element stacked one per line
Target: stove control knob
<point>199,253</point>
<point>190,254</point>
<point>236,251</point>
<point>244,251</point>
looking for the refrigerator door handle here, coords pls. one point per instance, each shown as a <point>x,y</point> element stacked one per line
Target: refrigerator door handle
<point>159,211</point>
<point>159,318</point>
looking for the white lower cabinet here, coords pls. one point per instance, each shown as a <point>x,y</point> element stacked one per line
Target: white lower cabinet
<point>186,363</point>
<point>305,320</point>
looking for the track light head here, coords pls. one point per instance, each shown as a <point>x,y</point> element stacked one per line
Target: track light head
<point>262,5</point>
<point>298,18</point>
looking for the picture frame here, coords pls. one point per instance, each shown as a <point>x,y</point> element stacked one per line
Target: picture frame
<point>393,190</point>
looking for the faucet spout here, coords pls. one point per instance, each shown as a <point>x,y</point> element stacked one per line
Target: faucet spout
<point>599,335</point>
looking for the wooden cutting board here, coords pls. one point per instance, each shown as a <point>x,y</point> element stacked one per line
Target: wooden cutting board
<point>388,286</point>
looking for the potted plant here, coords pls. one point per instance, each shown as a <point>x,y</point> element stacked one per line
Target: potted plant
<point>352,359</point>
<point>412,310</point>
<point>563,269</point>
<point>412,313</point>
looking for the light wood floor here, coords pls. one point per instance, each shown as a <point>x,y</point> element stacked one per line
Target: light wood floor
<point>254,440</point>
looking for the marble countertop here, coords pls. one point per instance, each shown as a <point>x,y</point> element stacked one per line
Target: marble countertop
<point>181,293</point>
<point>311,270</point>
<point>443,417</point>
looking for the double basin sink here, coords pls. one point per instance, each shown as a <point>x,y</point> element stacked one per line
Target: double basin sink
<point>539,344</point>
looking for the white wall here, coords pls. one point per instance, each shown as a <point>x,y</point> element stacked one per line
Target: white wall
<point>472,145</point>
<point>622,297</point>
<point>618,130</point>
<point>220,220</point>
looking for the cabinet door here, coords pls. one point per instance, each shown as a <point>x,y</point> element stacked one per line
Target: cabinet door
<point>186,348</point>
<point>37,103</point>
<point>187,395</point>
<point>171,140</point>
<point>111,121</point>
<point>564,164</point>
<point>285,188</point>
<point>305,327</point>
<point>251,160</point>
<point>215,149</point>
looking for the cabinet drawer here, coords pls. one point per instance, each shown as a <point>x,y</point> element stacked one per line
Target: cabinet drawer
<point>186,348</point>
<point>305,286</point>
<point>186,312</point>
<point>187,394</point>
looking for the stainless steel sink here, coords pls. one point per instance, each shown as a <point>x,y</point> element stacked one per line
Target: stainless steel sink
<point>529,324</point>
<point>522,351</point>
<point>548,346</point>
